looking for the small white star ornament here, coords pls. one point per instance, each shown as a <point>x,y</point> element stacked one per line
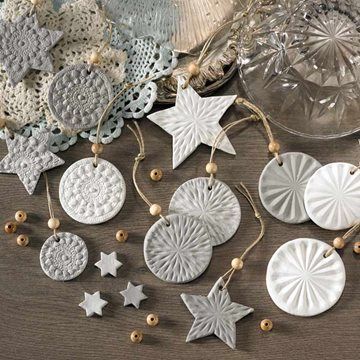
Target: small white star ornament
<point>93,304</point>
<point>109,264</point>
<point>133,295</point>
<point>193,121</point>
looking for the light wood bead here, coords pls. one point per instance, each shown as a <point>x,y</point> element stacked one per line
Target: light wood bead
<point>10,227</point>
<point>36,2</point>
<point>357,247</point>
<point>211,168</point>
<point>156,174</point>
<point>237,264</point>
<point>194,69</point>
<point>266,325</point>
<point>22,240</point>
<point>54,223</point>
<point>122,235</point>
<point>274,147</point>
<point>152,319</point>
<point>95,57</point>
<point>2,123</point>
<point>155,210</point>
<point>339,242</point>
<point>136,336</point>
<point>20,216</point>
<point>97,149</point>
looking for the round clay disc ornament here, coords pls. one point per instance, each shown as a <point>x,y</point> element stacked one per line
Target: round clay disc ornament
<point>78,96</point>
<point>92,194</point>
<point>281,188</point>
<point>332,196</point>
<point>301,281</point>
<point>63,256</point>
<point>178,251</point>
<point>217,208</point>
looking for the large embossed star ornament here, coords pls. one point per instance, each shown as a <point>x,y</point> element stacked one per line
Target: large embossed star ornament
<point>215,314</point>
<point>25,46</point>
<point>193,121</point>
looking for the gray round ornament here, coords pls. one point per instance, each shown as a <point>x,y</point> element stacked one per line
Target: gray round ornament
<point>78,96</point>
<point>282,188</point>
<point>63,256</point>
<point>217,208</point>
<point>178,251</point>
<point>92,194</point>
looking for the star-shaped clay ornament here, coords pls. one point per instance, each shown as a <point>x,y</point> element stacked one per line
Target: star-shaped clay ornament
<point>133,295</point>
<point>29,157</point>
<point>108,264</point>
<point>24,46</point>
<point>215,314</point>
<point>93,304</point>
<point>193,121</point>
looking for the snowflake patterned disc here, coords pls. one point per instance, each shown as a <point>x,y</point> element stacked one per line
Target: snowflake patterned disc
<point>215,314</point>
<point>180,252</point>
<point>192,121</point>
<point>218,208</point>
<point>332,196</point>
<point>24,46</point>
<point>92,195</point>
<point>63,256</point>
<point>281,188</point>
<point>29,157</point>
<point>78,96</point>
<point>301,281</point>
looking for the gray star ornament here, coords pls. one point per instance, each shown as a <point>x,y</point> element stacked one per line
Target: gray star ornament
<point>29,157</point>
<point>215,314</point>
<point>108,264</point>
<point>93,304</point>
<point>24,45</point>
<point>133,295</point>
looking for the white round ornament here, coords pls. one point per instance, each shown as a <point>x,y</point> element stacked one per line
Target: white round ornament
<point>332,196</point>
<point>92,194</point>
<point>63,256</point>
<point>217,208</point>
<point>301,281</point>
<point>177,251</point>
<point>282,188</point>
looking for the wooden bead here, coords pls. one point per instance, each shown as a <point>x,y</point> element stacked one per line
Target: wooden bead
<point>155,210</point>
<point>136,336</point>
<point>22,240</point>
<point>266,325</point>
<point>237,264</point>
<point>95,57</point>
<point>10,227</point>
<point>54,223</point>
<point>152,319</point>
<point>357,247</point>
<point>194,69</point>
<point>156,174</point>
<point>36,2</point>
<point>122,235</point>
<point>211,168</point>
<point>2,123</point>
<point>20,216</point>
<point>97,149</point>
<point>339,242</point>
<point>274,147</point>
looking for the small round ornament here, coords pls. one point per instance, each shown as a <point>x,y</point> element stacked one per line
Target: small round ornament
<point>281,188</point>
<point>218,208</point>
<point>301,281</point>
<point>178,249</point>
<point>63,256</point>
<point>78,95</point>
<point>332,196</point>
<point>92,194</point>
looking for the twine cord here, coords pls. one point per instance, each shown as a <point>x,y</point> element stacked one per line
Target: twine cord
<point>49,201</point>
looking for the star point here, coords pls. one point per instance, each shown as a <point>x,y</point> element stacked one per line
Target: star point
<point>109,264</point>
<point>133,295</point>
<point>93,304</point>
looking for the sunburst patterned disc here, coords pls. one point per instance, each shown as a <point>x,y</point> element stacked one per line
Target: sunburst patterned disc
<point>332,196</point>
<point>281,188</point>
<point>301,281</point>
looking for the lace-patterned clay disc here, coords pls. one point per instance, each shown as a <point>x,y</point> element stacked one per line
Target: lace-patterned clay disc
<point>64,256</point>
<point>332,196</point>
<point>281,188</point>
<point>180,252</point>
<point>301,282</point>
<point>77,97</point>
<point>218,208</point>
<point>92,195</point>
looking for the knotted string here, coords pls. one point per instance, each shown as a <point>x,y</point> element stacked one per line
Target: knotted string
<point>49,201</point>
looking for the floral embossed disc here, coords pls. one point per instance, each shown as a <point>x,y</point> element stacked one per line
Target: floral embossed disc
<point>92,195</point>
<point>63,256</point>
<point>301,281</point>
<point>218,208</point>
<point>78,96</point>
